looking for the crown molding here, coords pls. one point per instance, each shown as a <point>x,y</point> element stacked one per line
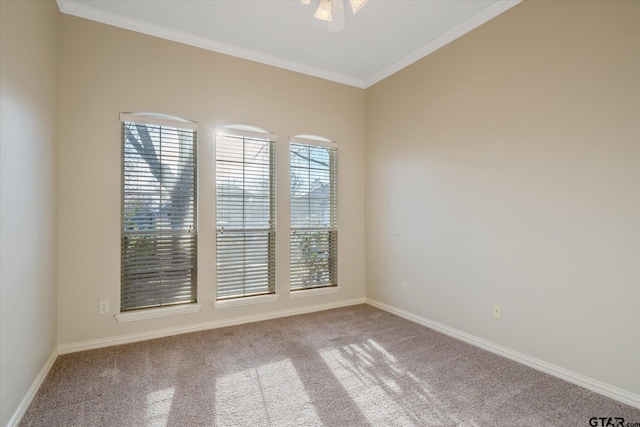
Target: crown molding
<point>475,21</point>
<point>86,11</point>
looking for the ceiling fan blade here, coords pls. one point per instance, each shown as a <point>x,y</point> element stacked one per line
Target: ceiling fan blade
<point>356,5</point>
<point>325,11</point>
<point>337,23</point>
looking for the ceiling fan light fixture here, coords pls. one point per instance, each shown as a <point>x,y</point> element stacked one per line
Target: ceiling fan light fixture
<point>357,5</point>
<point>324,11</point>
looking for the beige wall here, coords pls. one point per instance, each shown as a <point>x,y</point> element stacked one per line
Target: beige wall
<point>28,192</point>
<point>104,71</point>
<point>504,169</point>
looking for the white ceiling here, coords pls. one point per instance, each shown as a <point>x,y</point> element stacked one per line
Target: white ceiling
<point>384,37</point>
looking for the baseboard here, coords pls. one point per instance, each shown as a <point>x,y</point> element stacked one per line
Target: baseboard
<point>596,386</point>
<point>31,393</point>
<point>159,333</point>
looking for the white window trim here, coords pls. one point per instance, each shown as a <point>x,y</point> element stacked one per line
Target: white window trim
<point>302,293</point>
<point>323,142</point>
<point>245,131</point>
<point>250,132</point>
<point>152,313</point>
<point>313,140</point>
<point>158,119</point>
<point>148,118</point>
<point>236,302</point>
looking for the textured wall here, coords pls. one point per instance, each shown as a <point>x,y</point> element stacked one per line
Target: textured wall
<point>104,71</point>
<point>504,169</point>
<point>28,194</point>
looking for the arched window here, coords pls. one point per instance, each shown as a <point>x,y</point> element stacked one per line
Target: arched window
<point>158,234</point>
<point>245,212</point>
<point>313,172</point>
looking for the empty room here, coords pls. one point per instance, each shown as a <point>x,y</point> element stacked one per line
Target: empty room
<point>320,213</point>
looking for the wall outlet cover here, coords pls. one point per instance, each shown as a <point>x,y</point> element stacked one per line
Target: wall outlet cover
<point>104,307</point>
<point>497,311</point>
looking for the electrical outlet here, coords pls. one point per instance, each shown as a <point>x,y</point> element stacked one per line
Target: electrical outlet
<point>104,307</point>
<point>405,287</point>
<point>497,311</point>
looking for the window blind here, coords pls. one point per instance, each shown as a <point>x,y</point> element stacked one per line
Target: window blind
<point>245,215</point>
<point>158,235</point>
<point>314,233</point>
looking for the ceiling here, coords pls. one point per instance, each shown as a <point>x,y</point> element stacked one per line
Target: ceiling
<point>384,37</point>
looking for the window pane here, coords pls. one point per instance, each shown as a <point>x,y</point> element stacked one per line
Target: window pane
<point>158,216</point>
<point>245,216</point>
<point>313,240</point>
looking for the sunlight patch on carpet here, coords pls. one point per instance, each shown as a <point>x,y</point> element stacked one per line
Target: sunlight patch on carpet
<point>380,386</point>
<point>159,407</point>
<point>264,394</point>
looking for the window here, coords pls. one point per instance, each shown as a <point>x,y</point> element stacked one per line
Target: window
<point>314,233</point>
<point>245,210</point>
<point>158,235</point>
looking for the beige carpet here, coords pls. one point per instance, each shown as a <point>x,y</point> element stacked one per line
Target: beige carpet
<point>353,366</point>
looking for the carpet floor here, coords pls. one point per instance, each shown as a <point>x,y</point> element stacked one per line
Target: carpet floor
<point>354,366</point>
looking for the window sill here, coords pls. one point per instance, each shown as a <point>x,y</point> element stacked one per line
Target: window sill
<point>302,293</point>
<point>151,313</point>
<point>236,302</point>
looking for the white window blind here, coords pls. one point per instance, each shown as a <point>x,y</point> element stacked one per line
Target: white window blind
<point>245,210</point>
<point>158,236</point>
<point>314,233</point>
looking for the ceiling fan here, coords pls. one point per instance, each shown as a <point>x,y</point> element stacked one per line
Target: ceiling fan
<point>332,11</point>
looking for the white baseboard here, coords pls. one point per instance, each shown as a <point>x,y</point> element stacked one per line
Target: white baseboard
<point>31,393</point>
<point>596,386</point>
<point>159,333</point>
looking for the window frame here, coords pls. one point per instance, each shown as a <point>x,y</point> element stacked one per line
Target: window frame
<point>187,233</point>
<point>331,269</point>
<point>244,134</point>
